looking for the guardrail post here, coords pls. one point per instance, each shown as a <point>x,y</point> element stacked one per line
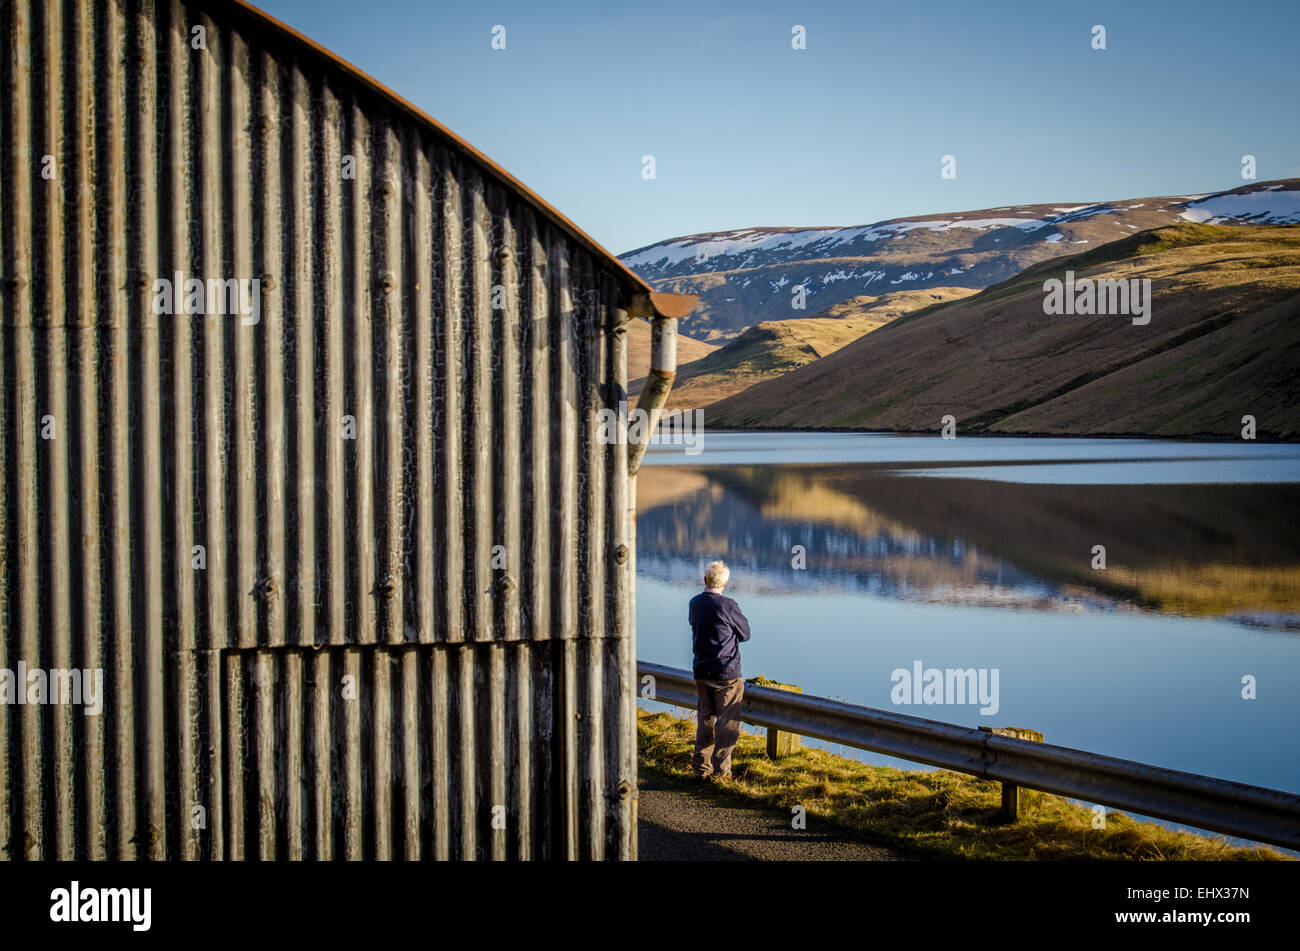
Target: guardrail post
<point>779,742</point>
<point>1010,791</point>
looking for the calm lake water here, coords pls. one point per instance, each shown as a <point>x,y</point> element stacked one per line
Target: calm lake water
<point>978,553</point>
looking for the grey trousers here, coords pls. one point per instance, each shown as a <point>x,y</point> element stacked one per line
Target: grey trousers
<point>717,726</point>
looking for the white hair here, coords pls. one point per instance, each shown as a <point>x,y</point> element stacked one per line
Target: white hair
<point>716,574</point>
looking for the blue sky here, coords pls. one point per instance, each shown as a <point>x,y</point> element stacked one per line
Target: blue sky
<point>747,131</point>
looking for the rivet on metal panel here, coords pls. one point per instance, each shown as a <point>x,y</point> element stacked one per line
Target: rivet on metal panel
<point>503,254</point>
<point>268,282</point>
<point>388,283</point>
<point>505,584</point>
<point>385,588</point>
<point>264,588</point>
<point>620,555</point>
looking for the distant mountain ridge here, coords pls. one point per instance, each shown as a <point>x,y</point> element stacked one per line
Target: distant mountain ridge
<point>744,277</point>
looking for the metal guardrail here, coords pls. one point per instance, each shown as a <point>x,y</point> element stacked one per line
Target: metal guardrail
<point>1218,805</point>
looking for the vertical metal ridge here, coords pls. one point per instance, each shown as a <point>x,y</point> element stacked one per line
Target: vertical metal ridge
<point>566,791</point>
<point>478,418</point>
<point>519,691</point>
<point>465,760</point>
<point>447,401</point>
<point>604,758</point>
<point>6,624</point>
<point>208,210</point>
<point>10,591</point>
<point>179,455</point>
<point>440,737</point>
<point>150,833</point>
<point>564,395</point>
<point>422,587</point>
<point>563,551</point>
<point>361,452</point>
<point>267,680</point>
<point>537,408</point>
<point>290,767</point>
<point>497,809</point>
<point>246,461</point>
<point>507,405</point>
<point>589,746</point>
<point>207,259</point>
<point>330,318</point>
<point>620,747</point>
<point>392,378</point>
<point>19,289</point>
<point>413,778</point>
<point>234,679</point>
<point>298,283</point>
<point>118,425</point>
<point>353,820</point>
<point>322,765</point>
<point>380,793</point>
<point>620,544</point>
<point>268,334</point>
<point>55,283</point>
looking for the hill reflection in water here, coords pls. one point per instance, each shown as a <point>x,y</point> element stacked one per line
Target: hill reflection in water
<point>1205,550</point>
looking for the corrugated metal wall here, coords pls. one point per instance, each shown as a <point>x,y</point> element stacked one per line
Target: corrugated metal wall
<point>350,675</point>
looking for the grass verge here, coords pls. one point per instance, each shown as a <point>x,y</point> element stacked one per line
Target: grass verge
<point>932,814</point>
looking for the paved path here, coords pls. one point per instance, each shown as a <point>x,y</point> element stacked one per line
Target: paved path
<point>705,824</point>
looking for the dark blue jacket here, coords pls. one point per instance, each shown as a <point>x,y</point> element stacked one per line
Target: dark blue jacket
<point>717,628</point>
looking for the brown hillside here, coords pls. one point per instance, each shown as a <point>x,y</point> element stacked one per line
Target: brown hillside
<point>1223,342</point>
<point>773,347</point>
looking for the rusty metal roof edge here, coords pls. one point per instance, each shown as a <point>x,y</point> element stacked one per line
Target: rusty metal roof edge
<point>542,205</point>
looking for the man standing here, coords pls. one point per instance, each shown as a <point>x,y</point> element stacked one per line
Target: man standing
<point>717,628</point>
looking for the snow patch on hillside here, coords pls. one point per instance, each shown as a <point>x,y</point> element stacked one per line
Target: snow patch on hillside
<point>1266,206</point>
<point>754,241</point>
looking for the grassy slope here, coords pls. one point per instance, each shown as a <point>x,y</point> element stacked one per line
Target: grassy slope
<point>928,813</point>
<point>1222,342</point>
<point>774,347</point>
<point>889,307</point>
